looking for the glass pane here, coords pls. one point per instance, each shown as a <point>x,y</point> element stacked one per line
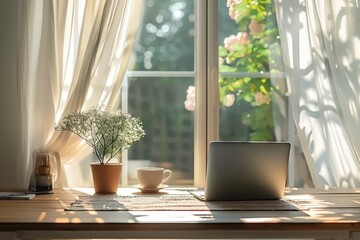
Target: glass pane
<point>169,127</point>
<point>253,94</point>
<point>166,37</point>
<point>165,43</point>
<point>251,72</point>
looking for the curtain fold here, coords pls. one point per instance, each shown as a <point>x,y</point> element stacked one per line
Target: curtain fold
<point>71,57</point>
<point>320,41</point>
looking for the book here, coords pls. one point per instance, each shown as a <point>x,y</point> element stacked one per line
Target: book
<point>16,196</point>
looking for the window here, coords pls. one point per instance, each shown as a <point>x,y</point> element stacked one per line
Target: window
<point>155,89</point>
<point>203,52</point>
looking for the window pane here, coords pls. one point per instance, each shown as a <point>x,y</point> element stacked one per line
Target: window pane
<point>251,72</point>
<point>166,38</point>
<point>165,43</point>
<point>169,127</point>
<point>252,86</point>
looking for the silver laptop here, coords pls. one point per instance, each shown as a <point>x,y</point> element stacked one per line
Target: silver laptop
<point>245,171</point>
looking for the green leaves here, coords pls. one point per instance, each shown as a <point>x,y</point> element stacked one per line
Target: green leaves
<point>257,20</point>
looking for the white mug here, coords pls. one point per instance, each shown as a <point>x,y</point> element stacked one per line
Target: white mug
<point>152,177</point>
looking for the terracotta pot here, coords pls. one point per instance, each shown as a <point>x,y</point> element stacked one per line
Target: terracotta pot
<point>106,177</point>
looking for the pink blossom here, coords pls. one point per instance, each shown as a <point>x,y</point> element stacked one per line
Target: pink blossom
<point>190,99</point>
<point>221,61</point>
<point>229,100</point>
<point>255,27</point>
<point>231,3</point>
<point>233,12</point>
<point>261,98</point>
<point>242,38</point>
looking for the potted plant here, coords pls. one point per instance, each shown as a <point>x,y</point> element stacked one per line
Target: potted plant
<point>108,133</point>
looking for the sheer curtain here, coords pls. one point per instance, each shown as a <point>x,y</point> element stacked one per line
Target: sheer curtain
<point>320,41</point>
<point>72,55</point>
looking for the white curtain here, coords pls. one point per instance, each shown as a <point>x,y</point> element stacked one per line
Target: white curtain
<point>72,55</point>
<point>321,42</point>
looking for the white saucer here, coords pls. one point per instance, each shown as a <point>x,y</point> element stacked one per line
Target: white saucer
<point>150,190</point>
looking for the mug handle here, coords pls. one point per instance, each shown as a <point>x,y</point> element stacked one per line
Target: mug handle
<point>169,172</point>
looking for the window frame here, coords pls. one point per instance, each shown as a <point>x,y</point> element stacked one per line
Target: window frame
<point>207,58</point>
<point>206,84</point>
<point>206,75</point>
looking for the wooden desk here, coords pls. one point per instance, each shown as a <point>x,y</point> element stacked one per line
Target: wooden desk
<point>331,215</point>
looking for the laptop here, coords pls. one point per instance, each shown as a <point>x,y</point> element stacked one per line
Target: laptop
<point>245,171</point>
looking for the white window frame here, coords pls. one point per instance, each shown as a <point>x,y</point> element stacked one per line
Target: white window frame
<point>206,76</point>
<point>207,93</point>
<point>206,84</point>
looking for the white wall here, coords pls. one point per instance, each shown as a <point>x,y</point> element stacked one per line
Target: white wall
<point>10,176</point>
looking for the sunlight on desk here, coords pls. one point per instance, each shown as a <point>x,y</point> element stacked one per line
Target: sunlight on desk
<point>42,216</point>
<point>257,220</point>
<point>165,217</point>
<point>99,220</point>
<point>328,215</point>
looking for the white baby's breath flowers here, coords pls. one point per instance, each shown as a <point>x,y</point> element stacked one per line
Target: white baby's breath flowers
<point>107,132</point>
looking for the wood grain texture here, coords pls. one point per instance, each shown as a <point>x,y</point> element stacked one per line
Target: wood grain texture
<point>330,211</point>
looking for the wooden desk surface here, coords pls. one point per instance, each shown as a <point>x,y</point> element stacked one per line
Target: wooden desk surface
<point>331,214</point>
